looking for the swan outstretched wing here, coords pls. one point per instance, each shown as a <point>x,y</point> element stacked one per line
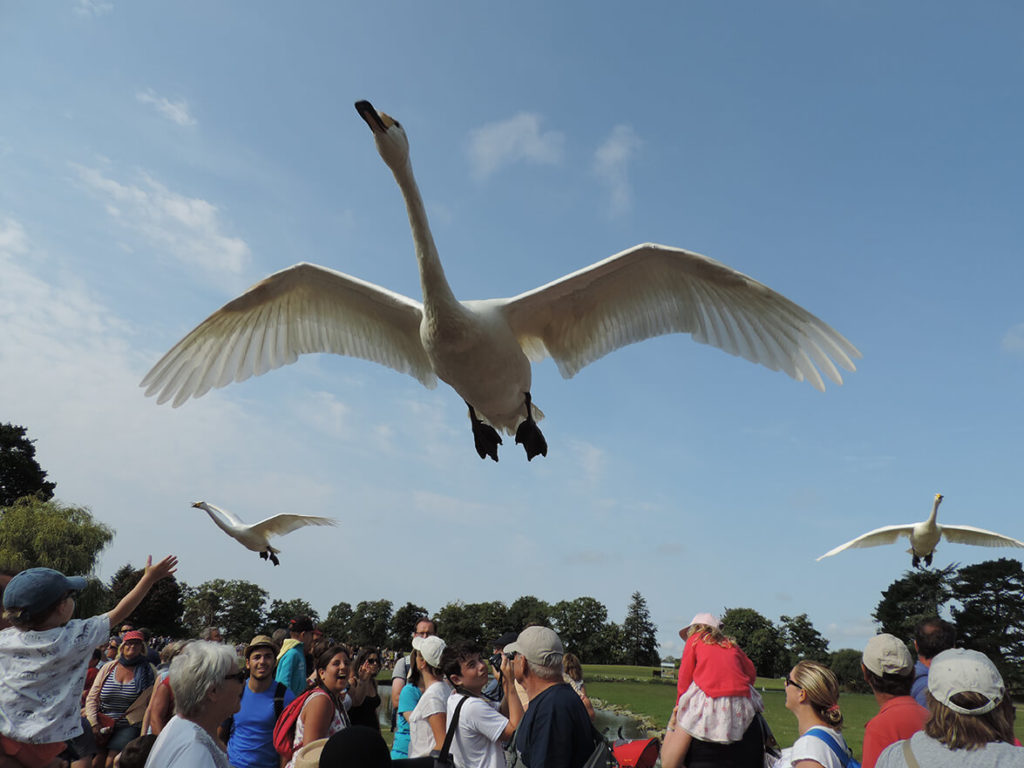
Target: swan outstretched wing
<point>887,535</point>
<point>968,534</point>
<point>650,290</point>
<point>304,308</point>
<point>279,525</point>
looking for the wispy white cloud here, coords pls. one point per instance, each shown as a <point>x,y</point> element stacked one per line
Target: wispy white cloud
<point>611,166</point>
<point>187,228</point>
<point>93,7</point>
<point>175,111</point>
<point>518,139</point>
<point>1013,340</point>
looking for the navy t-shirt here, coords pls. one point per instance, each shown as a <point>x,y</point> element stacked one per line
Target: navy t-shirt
<point>556,731</point>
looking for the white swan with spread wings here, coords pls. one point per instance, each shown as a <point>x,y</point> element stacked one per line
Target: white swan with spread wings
<point>484,349</point>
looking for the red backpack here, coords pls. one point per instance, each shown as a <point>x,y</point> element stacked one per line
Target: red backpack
<point>284,728</point>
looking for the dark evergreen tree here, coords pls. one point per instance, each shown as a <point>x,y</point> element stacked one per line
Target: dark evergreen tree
<point>20,473</point>
<point>917,594</point>
<point>160,611</point>
<point>640,633</point>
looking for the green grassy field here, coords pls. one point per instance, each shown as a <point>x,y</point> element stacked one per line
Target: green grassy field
<point>635,689</point>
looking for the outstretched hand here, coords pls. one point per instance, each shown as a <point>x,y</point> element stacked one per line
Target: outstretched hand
<point>161,570</point>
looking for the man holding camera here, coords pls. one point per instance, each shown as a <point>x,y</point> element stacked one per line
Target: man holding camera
<point>556,731</point>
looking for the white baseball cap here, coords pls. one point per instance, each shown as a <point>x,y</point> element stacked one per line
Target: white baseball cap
<point>961,671</point>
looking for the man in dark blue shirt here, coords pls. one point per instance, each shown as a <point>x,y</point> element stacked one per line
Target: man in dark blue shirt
<point>556,731</point>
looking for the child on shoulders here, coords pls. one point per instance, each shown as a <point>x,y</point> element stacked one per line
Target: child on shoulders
<point>44,657</point>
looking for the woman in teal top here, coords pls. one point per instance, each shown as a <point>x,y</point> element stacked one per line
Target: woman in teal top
<point>406,704</point>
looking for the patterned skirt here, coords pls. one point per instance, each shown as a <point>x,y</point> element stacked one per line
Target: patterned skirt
<point>723,720</point>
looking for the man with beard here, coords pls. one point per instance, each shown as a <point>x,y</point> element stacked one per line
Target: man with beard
<point>251,731</point>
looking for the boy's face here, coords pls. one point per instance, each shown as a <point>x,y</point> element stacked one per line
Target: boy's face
<point>474,674</point>
<point>261,663</point>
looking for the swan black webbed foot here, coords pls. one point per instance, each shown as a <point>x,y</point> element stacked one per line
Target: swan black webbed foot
<point>263,555</point>
<point>529,436</point>
<point>915,562</point>
<point>485,437</point>
<point>273,558</point>
<point>928,559</point>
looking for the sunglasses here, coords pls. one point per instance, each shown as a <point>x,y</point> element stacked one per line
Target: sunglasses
<point>789,682</point>
<point>239,676</point>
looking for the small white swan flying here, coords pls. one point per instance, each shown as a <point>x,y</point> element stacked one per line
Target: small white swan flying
<point>257,536</point>
<point>483,349</point>
<point>924,537</point>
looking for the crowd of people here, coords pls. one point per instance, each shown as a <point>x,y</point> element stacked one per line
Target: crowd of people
<point>74,694</point>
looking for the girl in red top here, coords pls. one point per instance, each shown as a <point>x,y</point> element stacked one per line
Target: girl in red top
<point>717,700</point>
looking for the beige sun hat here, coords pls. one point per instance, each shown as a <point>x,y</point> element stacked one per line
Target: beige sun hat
<point>308,756</point>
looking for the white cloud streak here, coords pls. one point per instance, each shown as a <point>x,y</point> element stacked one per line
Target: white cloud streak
<point>1013,340</point>
<point>518,139</point>
<point>611,166</point>
<point>93,8</point>
<point>186,228</point>
<point>175,111</point>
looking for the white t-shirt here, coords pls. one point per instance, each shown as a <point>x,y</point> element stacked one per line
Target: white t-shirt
<point>42,675</point>
<point>476,744</point>
<point>433,700</point>
<point>810,747</point>
<point>183,743</point>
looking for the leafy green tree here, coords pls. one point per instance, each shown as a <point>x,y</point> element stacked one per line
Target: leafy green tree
<point>845,664</point>
<point>990,618</point>
<point>528,611</point>
<point>160,611</point>
<point>759,638</point>
<point>640,633</point>
<point>281,612</point>
<point>338,623</point>
<point>403,624</point>
<point>578,623</point>
<point>607,646</point>
<point>463,622</point>
<point>802,640</point>
<point>236,606</point>
<point>370,623</point>
<point>912,597</point>
<point>20,473</point>
<point>35,533</point>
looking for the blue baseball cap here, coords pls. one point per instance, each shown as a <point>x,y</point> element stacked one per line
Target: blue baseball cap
<point>36,589</point>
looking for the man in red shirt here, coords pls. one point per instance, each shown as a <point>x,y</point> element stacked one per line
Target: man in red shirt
<point>888,668</point>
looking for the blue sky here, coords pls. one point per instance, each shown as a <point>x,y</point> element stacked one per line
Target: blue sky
<point>864,159</point>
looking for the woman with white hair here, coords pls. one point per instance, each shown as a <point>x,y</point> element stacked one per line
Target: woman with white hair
<point>971,723</point>
<point>207,685</point>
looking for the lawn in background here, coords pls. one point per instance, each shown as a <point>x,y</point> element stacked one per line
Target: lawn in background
<point>639,691</point>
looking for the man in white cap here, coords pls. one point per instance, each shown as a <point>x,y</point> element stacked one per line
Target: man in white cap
<point>556,731</point>
<point>888,668</point>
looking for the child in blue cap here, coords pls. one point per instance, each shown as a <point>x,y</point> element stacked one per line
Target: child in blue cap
<point>44,657</point>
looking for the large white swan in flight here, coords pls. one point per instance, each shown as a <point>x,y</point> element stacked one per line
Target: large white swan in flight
<point>257,536</point>
<point>924,536</point>
<point>483,349</point>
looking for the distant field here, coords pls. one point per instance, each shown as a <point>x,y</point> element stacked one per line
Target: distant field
<point>640,695</point>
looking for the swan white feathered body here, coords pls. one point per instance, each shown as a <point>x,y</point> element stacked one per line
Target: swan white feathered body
<point>483,349</point>
<point>924,537</point>
<point>257,536</point>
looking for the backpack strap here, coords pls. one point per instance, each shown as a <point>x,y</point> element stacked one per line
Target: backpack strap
<point>845,757</point>
<point>447,747</point>
<point>908,755</point>
<point>279,700</point>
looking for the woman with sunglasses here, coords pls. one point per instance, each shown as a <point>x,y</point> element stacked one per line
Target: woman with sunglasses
<point>363,685</point>
<point>206,681</point>
<point>812,694</point>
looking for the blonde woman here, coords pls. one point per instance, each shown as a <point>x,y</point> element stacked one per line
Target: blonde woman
<point>812,695</point>
<point>572,671</point>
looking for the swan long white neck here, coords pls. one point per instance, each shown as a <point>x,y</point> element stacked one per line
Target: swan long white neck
<point>935,511</point>
<point>434,284</point>
<point>217,519</point>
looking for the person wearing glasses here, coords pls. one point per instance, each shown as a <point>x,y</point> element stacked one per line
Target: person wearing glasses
<point>424,627</point>
<point>207,684</point>
<point>363,684</point>
<point>812,694</point>
<point>717,700</point>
